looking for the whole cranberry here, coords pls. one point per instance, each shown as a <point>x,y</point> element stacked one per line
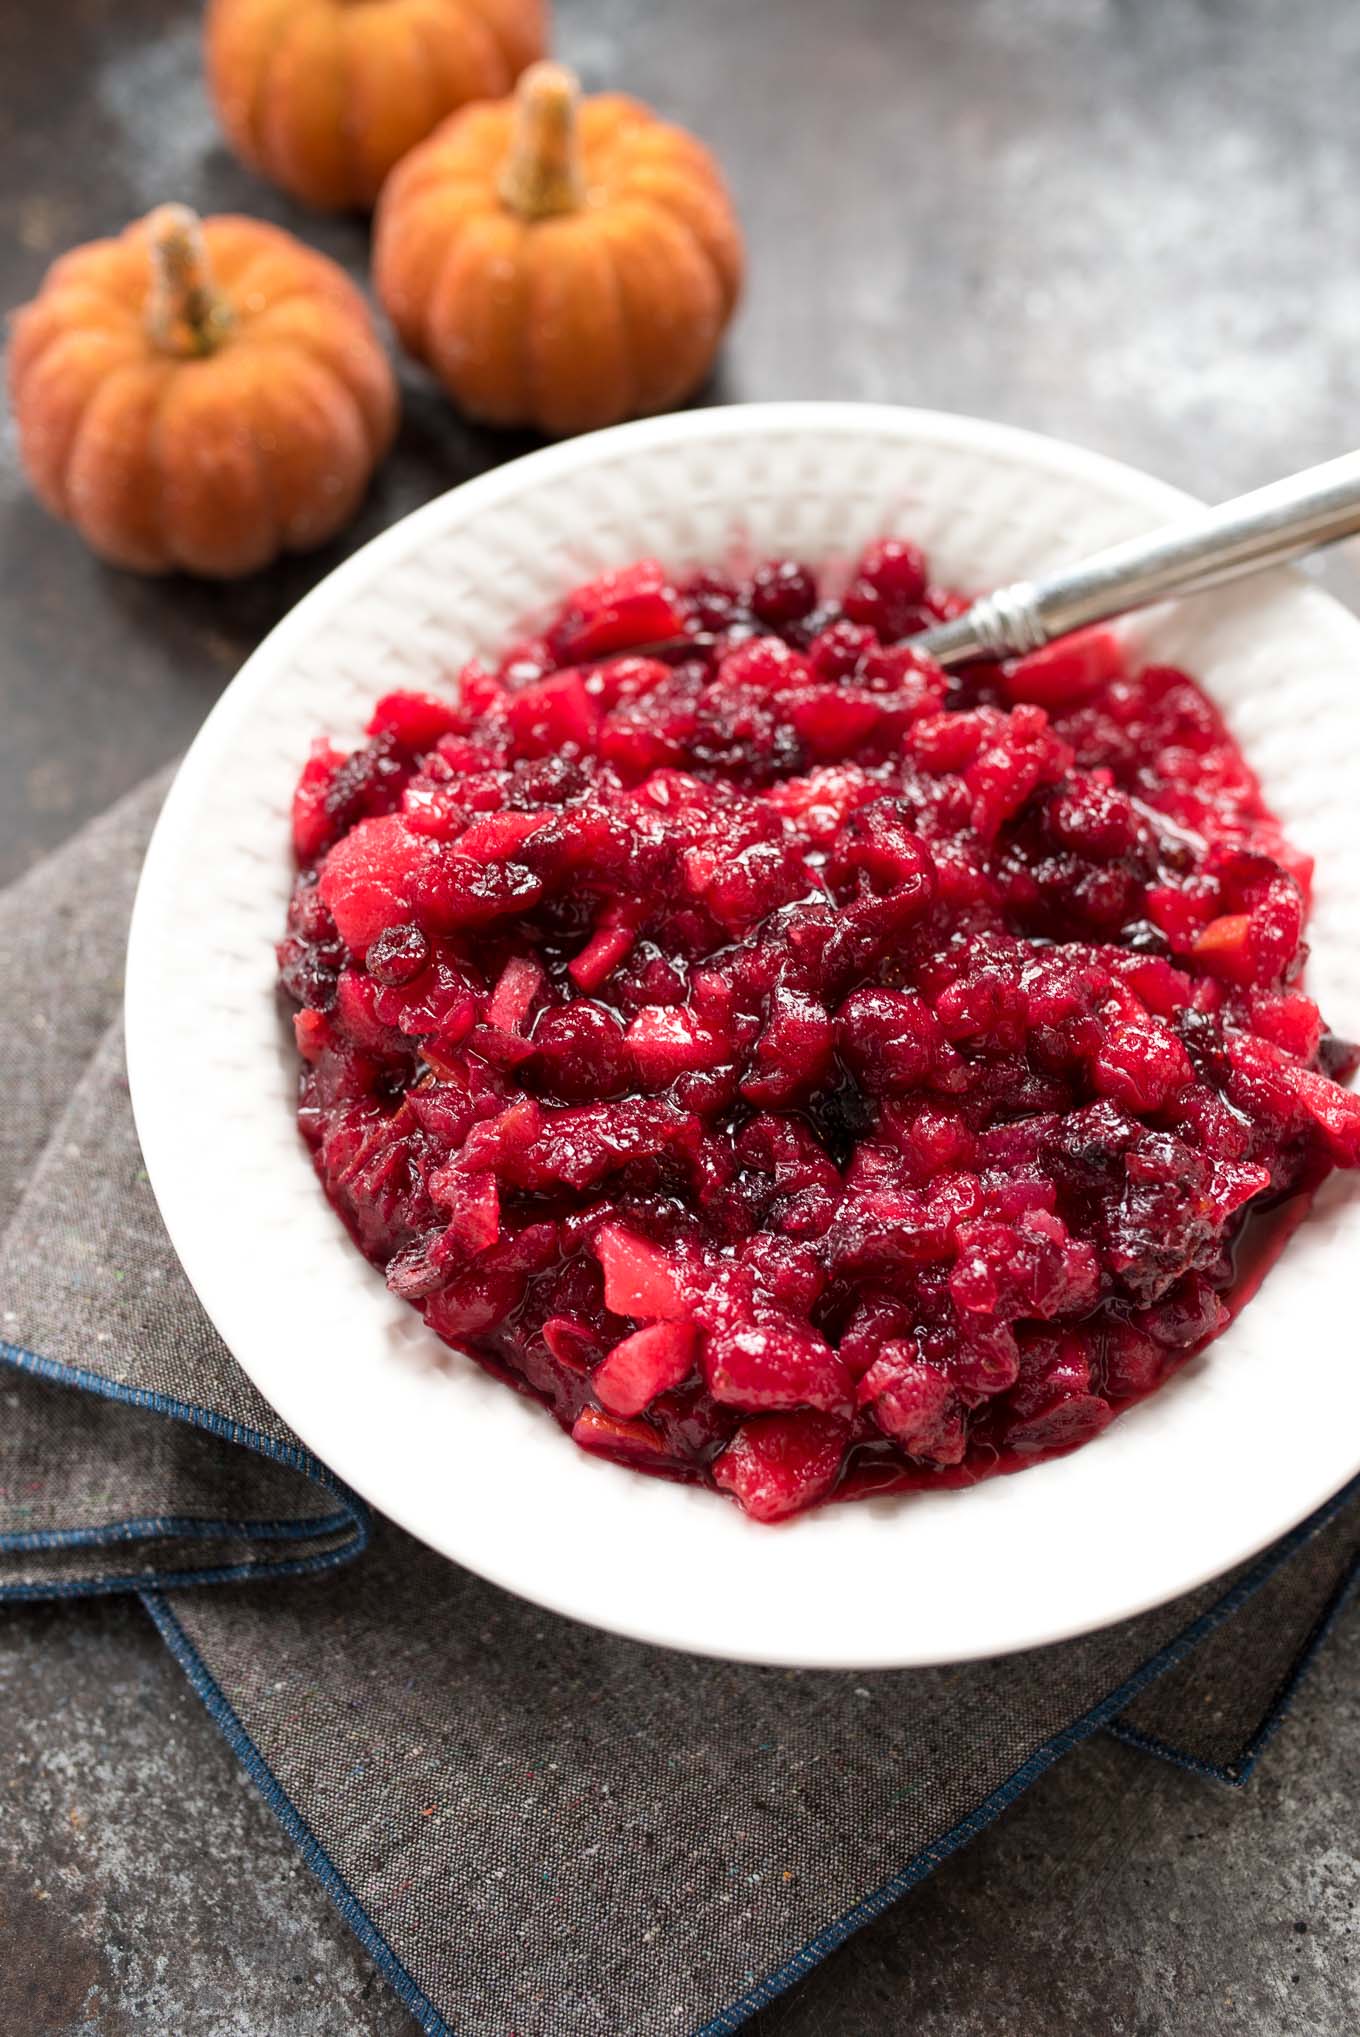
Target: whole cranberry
<point>712,600</point>
<point>782,592</point>
<point>835,653</point>
<point>888,589</point>
<point>895,570</point>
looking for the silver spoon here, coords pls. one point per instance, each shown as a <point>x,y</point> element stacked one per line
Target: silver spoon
<point>1245,535</point>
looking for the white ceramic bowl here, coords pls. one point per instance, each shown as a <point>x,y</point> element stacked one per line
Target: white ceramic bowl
<point>1238,1448</point>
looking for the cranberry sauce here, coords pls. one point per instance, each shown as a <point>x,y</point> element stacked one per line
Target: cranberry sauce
<point>804,1072</point>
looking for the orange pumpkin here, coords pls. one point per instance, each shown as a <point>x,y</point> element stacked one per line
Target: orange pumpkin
<point>200,396</point>
<point>324,96</point>
<point>557,262</point>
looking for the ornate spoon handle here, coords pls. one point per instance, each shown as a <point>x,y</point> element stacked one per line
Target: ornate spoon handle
<point>1245,535</point>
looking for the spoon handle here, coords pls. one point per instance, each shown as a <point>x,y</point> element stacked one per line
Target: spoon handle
<point>1253,531</point>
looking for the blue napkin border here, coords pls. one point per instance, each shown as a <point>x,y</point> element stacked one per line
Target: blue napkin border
<point>351,1512</point>
<point>151,1590</point>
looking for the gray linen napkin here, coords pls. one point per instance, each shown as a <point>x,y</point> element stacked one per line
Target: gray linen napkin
<point>533,1827</point>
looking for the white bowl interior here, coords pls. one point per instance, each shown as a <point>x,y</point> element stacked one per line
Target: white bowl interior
<point>1239,1447</point>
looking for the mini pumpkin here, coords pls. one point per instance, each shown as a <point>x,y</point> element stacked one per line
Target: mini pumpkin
<point>324,96</point>
<point>200,395</point>
<point>559,262</point>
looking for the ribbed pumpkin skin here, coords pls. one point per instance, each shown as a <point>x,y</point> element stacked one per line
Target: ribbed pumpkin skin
<point>213,465</point>
<point>324,96</point>
<point>572,321</point>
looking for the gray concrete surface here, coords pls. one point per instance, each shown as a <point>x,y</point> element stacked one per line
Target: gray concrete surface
<point>145,1889</point>
<point>1128,222</point>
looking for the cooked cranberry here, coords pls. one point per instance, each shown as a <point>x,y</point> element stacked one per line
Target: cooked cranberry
<point>806,1075</point>
<point>712,600</point>
<point>888,589</point>
<point>617,612</point>
<point>1065,673</point>
<point>895,569</point>
<point>836,652</point>
<point>782,592</point>
<point>778,1464</point>
<point>398,955</point>
<point>1337,1057</point>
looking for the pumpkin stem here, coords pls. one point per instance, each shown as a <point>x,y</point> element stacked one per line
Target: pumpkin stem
<point>544,173</point>
<point>185,314</point>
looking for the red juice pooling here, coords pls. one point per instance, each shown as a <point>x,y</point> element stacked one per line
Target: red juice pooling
<point>804,1072</point>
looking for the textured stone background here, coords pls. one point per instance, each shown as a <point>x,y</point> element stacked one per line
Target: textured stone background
<point>1128,222</point>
